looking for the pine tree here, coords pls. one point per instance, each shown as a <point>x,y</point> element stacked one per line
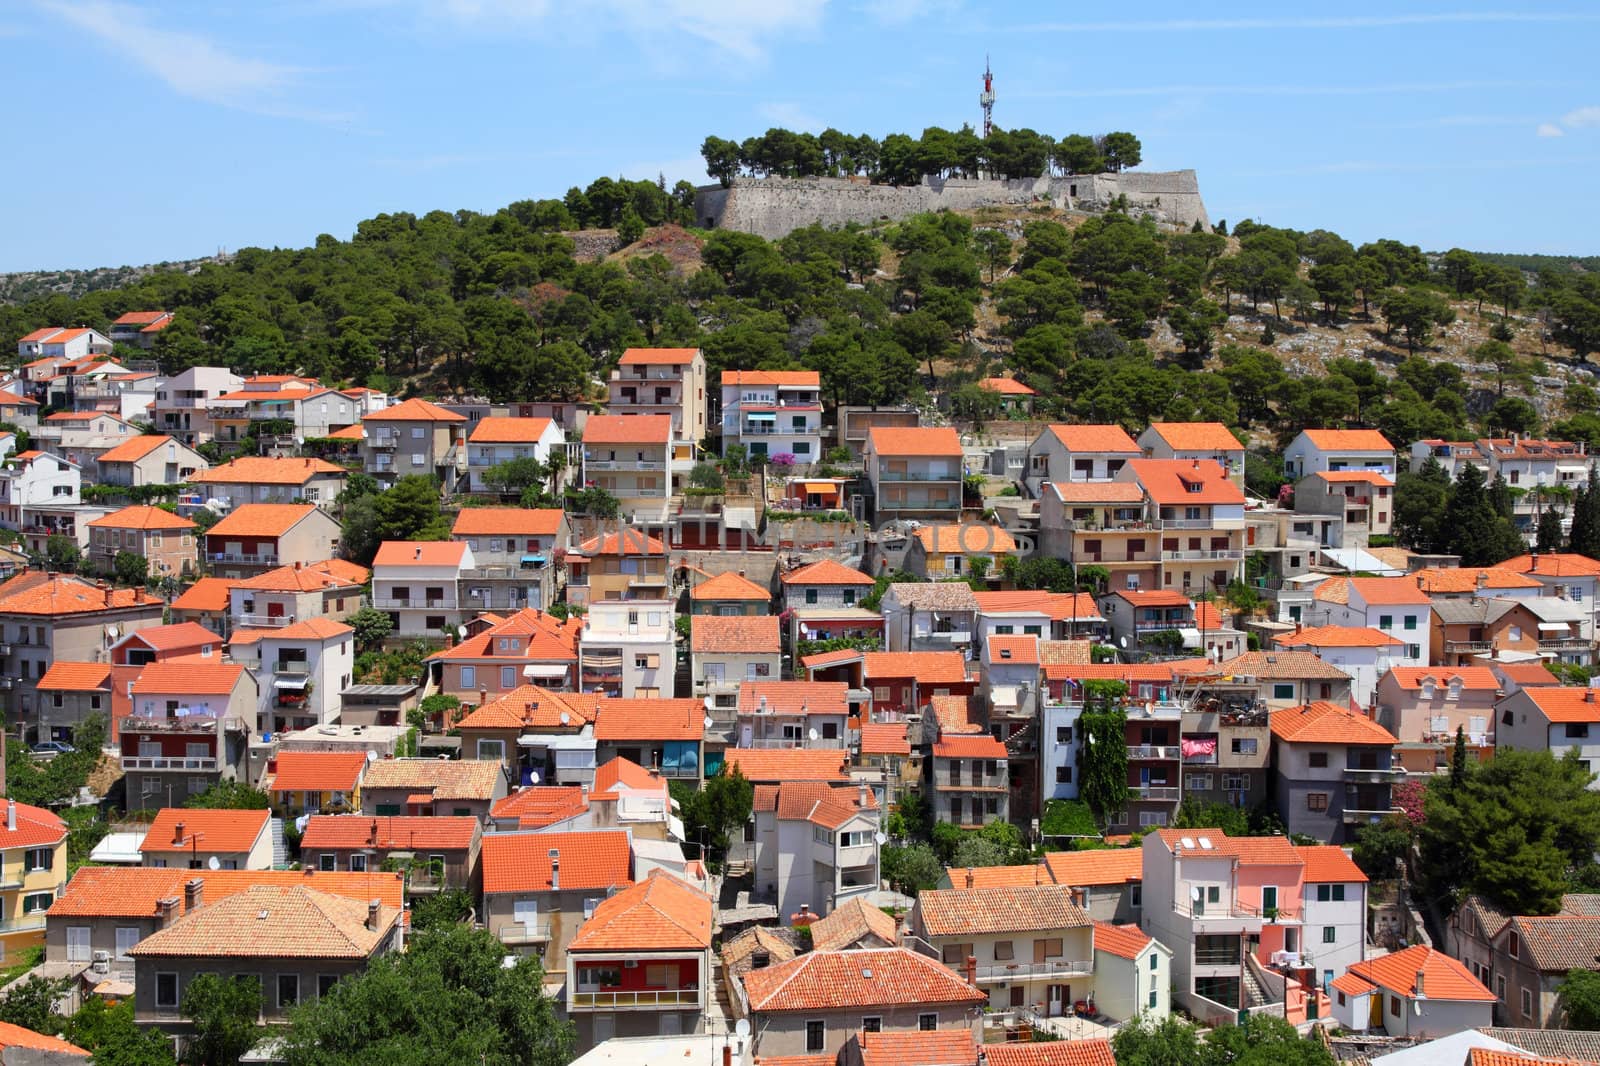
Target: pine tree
<point>1549,534</point>
<point>1585,539</point>
<point>1458,759</point>
<point>1471,520</point>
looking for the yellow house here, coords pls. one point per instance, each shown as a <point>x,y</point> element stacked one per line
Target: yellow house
<point>315,782</point>
<point>33,869</point>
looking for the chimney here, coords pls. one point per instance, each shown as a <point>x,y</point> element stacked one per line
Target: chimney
<point>1420,992</point>
<point>11,811</point>
<point>373,906</point>
<point>727,1054</point>
<point>555,869</point>
<point>969,877</point>
<point>1588,697</point>
<point>971,968</point>
<point>1077,896</point>
<point>802,919</point>
<point>418,553</point>
<point>863,800</point>
<point>177,833</point>
<point>166,909</point>
<point>297,564</point>
<point>483,696</point>
<point>193,893</point>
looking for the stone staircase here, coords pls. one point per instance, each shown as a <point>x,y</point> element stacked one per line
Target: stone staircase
<point>280,850</point>
<point>1251,994</point>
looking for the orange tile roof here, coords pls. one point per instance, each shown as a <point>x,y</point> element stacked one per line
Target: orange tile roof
<point>751,634</point>
<point>140,517</point>
<point>998,876</point>
<point>178,677</point>
<point>133,449</point>
<point>1014,649</point>
<point>520,862</point>
<point>318,771</point>
<point>840,980</point>
<point>983,911</point>
<point>262,520</point>
<point>502,521</point>
<point>1443,977</point>
<point>1482,1056</point>
<point>1470,579</point>
<point>407,833</point>
<point>884,738</point>
<point>36,827</point>
<point>932,1047</point>
<point>1478,678</point>
<point>272,921</point>
<point>414,410</point>
<point>13,398</point>
<point>66,335</point>
<point>618,775</point>
<point>660,913</point>
<point>954,715</point>
<point>309,577</point>
<point>627,429</point>
<point>1097,491</point>
<point>185,828</point>
<point>1553,564</point>
<point>1123,941</point>
<point>1249,851</point>
<point>793,697</point>
<point>1364,477</point>
<point>1328,863</point>
<point>851,924</point>
<point>538,806</point>
<point>1094,438</point>
<point>15,1036</point>
<point>1059,606</point>
<point>313,629</point>
<point>969,746</point>
<point>1326,723</point>
<point>1158,673</point>
<point>1337,637</point>
<point>826,572</point>
<point>644,719</point>
<point>822,660</point>
<point>1006,387</point>
<point>1526,674</point>
<point>530,706</point>
<point>627,542</point>
<point>33,592</point>
<point>445,779</point>
<point>914,441</point>
<point>1052,1053</point>
<point>1100,866</point>
<point>420,553</point>
<point>140,318</point>
<point>928,667</point>
<point>1181,482</point>
<point>767,765</point>
<point>1153,597</point>
<point>1276,665</point>
<point>1351,985</point>
<point>966,538</point>
<point>209,594</point>
<point>1563,704</point>
<point>500,430</point>
<point>729,586</point>
<point>39,335</point>
<point>354,432</point>
<point>175,637</point>
<point>657,356</point>
<point>75,677</point>
<point>793,378</point>
<point>262,470</point>
<point>1348,440</point>
<point>1197,436</point>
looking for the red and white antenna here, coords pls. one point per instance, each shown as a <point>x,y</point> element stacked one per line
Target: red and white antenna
<point>986,98</point>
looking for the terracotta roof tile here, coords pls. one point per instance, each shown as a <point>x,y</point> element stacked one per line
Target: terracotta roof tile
<point>1482,1056</point>
<point>1281,665</point>
<point>1385,591</point>
<point>954,715</point>
<point>916,1047</point>
<point>174,829</point>
<point>1066,652</point>
<point>186,678</point>
<point>272,921</point>
<point>262,470</point>
<point>414,410</point>
<point>1013,649</point>
<point>826,572</point>
<point>538,806</point>
<point>773,765</point>
<point>791,378</point>
<point>1052,1053</point>
<point>314,629</point>
<point>407,833</point>
<point>1564,704</point>
<point>76,677</point>
<point>734,634</point>
<point>840,980</point>
<point>36,827</point>
<point>646,719</point>
<point>729,586</point>
<point>261,520</point>
<point>1348,440</point>
<point>1337,637</point>
<point>32,592</point>
<point>140,517</point>
<point>1006,387</point>
<point>1477,678</point>
<point>529,706</point>
<point>133,449</point>
<point>660,913</point>
<point>1180,482</point>
<point>1438,579</point>
<point>658,356</point>
<point>969,746</point>
<point>501,430</point>
<point>446,779</point>
<point>1363,477</point>
<point>934,442</point>
<point>1100,866</point>
<point>209,595</point>
<point>1526,675</point>
<point>998,876</point>
<point>420,553</point>
<point>627,429</point>
<point>627,542</point>
<point>793,697</point>
<point>1197,436</point>
<point>318,771</point>
<point>1443,977</point>
<point>964,911</point>
<point>309,577</point>
<point>1553,564</point>
<point>1250,851</point>
<point>1326,863</point>
<point>1332,590</point>
<point>965,538</point>
<point>928,667</point>
<point>739,950</point>
<point>503,521</point>
<point>1123,941</point>
<point>884,738</point>
<point>618,775</point>
<point>520,862</point>
<point>1326,723</point>
<point>1094,438</point>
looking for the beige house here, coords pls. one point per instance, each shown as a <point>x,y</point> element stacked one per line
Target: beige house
<point>461,788</point>
<point>149,460</point>
<point>662,381</point>
<point>1425,705</point>
<point>630,457</point>
<point>727,650</point>
<point>259,537</point>
<point>265,479</point>
<point>539,888</point>
<point>166,541</point>
<point>915,473</point>
<point>434,853</point>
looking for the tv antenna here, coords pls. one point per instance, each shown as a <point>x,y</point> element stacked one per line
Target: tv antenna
<point>986,98</point>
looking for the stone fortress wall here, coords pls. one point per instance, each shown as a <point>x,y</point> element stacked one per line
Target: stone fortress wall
<point>772,207</point>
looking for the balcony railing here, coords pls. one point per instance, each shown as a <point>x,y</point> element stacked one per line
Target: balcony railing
<point>915,475</point>
<point>1153,793</point>
<point>624,464</point>
<point>1228,956</point>
<point>655,997</point>
<point>389,603</point>
<point>26,924</point>
<point>919,505</point>
<point>383,444</point>
<point>1007,971</point>
<point>1219,555</point>
<point>1467,647</point>
<point>264,621</point>
<point>161,762</point>
<point>1372,774</point>
<point>1152,752</point>
<point>1156,627</point>
<point>291,667</point>
<point>1566,644</point>
<point>524,933</point>
<point>1358,816</point>
<point>178,723</point>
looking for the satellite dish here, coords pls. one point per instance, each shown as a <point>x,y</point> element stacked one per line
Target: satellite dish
<point>533,776</point>
<point>372,756</point>
<point>709,721</point>
<point>1124,642</point>
<point>743,1027</point>
<point>566,719</point>
<point>813,734</point>
<point>213,863</point>
<point>880,838</point>
<point>1416,1006</point>
<point>113,632</point>
<point>1194,893</point>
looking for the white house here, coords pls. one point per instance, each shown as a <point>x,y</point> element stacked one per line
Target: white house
<point>1335,913</point>
<point>816,845</point>
<point>34,479</point>
<point>1391,605</point>
<point>1555,719</point>
<point>183,401</point>
<point>303,669</point>
<point>773,412</point>
<point>1314,451</point>
<point>628,648</point>
<point>1078,453</point>
<point>495,440</point>
<point>418,584</point>
<point>1195,440</point>
<point>1418,993</point>
<point>1365,654</point>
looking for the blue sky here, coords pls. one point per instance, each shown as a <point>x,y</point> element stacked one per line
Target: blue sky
<point>147,130</point>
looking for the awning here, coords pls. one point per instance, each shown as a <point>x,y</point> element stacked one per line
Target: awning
<point>1191,637</point>
<point>533,560</point>
<point>545,670</point>
<point>297,683</point>
<point>819,486</point>
<point>1554,627</point>
<point>419,798</point>
<point>760,417</point>
<point>1003,695</point>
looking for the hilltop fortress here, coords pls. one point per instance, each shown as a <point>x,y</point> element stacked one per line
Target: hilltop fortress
<point>772,207</point>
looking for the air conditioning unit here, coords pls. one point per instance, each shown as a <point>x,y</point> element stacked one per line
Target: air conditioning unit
<point>102,962</point>
<point>630,964</point>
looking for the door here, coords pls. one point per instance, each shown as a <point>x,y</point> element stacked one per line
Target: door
<point>1374,1011</point>
<point>1269,899</point>
<point>525,912</point>
<point>1055,1003</point>
<point>77,943</point>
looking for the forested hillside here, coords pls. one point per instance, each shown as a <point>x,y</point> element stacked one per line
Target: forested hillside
<point>1110,318</point>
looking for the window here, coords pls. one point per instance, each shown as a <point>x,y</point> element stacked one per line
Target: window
<point>1063,734</point>
<point>327,862</point>
<point>508,677</point>
<point>1329,934</point>
<point>1244,745</point>
<point>1527,1004</point>
<point>325,983</point>
<point>469,676</point>
<point>1318,759</point>
<point>1330,893</point>
<point>166,991</point>
<point>880,693</point>
<point>77,943</point>
<point>1282,692</point>
<point>1063,775</point>
<point>1213,894</point>
<point>1500,988</point>
<point>1394,1006</point>
<point>288,990</point>
<point>1136,896</point>
<point>872,1024</point>
<point>1197,782</point>
<point>1155,962</point>
<point>811,595</point>
<point>849,597</point>
<point>491,749</point>
<point>37,902</point>
<point>1514,946</point>
<point>1386,621</point>
<point>38,859</point>
<point>417,432</point>
<point>1152,991</point>
<point>1411,621</point>
<point>358,863</point>
<point>1316,801</point>
<point>816,1035</point>
<point>927,1023</point>
<point>1514,632</point>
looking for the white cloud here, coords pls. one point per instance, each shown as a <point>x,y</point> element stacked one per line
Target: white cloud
<point>1583,116</point>
<point>189,63</point>
<point>1550,129</point>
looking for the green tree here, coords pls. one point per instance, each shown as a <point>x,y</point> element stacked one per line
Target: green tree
<point>595,502</point>
<point>1415,312</point>
<point>450,997</point>
<point>1458,759</point>
<point>1549,536</point>
<point>31,1004</point>
<point>1381,846</point>
<point>113,1038</point>
<point>977,851</point>
<point>713,812</point>
<point>1103,751</point>
<point>993,248</point>
<point>1121,150</point>
<point>1148,1042</point>
<point>1261,1040</point>
<point>223,1012</point>
<point>630,227</point>
<point>1584,538</point>
<point>722,159</point>
<point>229,794</point>
<point>62,553</point>
<point>1477,531</point>
<point>915,868</point>
<point>1420,502</point>
<point>372,626</point>
<point>1580,999</point>
<point>450,907</point>
<point>131,569</point>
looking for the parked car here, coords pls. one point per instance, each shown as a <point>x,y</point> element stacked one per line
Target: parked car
<point>52,747</point>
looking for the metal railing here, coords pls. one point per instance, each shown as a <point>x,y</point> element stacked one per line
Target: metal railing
<point>1373,774</point>
<point>1228,956</point>
<point>178,723</point>
<point>256,559</point>
<point>916,505</point>
<point>264,621</point>
<point>383,444</point>
<point>1160,793</point>
<point>1467,647</point>
<point>1360,816</point>
<point>915,475</point>
<point>1005,971</point>
<point>661,997</point>
<point>1218,554</point>
<point>291,667</point>
<point>624,464</point>
<point>525,933</point>
<point>177,762</point>
<point>1137,752</point>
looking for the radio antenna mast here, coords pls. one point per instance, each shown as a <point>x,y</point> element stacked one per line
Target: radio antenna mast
<point>986,98</point>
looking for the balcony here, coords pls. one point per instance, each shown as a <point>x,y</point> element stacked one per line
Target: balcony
<point>184,723</point>
<point>647,998</point>
<point>524,933</point>
<point>1469,647</point>
<point>28,923</point>
<point>383,444</point>
<point>1153,753</point>
<point>256,559</point>
<point>624,465</point>
<point>385,603</point>
<point>1358,816</point>
<point>919,505</point>
<point>1372,775</point>
<point>1010,971</point>
<point>292,668</point>
<point>1566,644</point>
<point>915,475</point>
<point>1153,793</point>
<point>162,762</point>
<point>1216,555</point>
<point>248,620</point>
